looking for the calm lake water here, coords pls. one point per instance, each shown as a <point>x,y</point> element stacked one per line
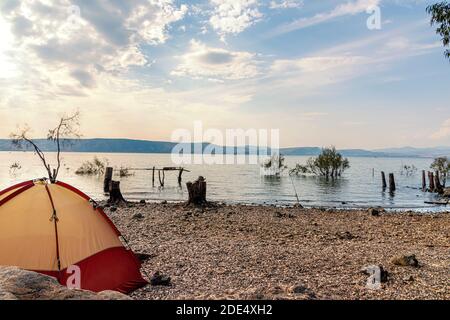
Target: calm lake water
<point>359,187</point>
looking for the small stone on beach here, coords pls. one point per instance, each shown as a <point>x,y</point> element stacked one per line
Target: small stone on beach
<point>137,216</point>
<point>345,235</point>
<point>159,279</point>
<point>406,261</point>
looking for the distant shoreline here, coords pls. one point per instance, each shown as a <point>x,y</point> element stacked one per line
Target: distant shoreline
<point>168,153</point>
<point>161,147</point>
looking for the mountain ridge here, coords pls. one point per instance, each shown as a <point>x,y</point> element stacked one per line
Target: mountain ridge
<point>116,145</point>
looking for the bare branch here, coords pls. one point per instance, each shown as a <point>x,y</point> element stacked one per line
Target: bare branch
<point>66,129</point>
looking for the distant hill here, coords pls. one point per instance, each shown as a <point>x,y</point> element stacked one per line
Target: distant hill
<point>417,152</point>
<point>146,146</point>
<point>99,145</point>
<point>313,151</point>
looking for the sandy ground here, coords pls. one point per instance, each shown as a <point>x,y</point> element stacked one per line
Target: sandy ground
<point>244,252</point>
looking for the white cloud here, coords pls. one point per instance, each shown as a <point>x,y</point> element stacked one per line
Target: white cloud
<point>203,62</point>
<point>349,8</point>
<point>316,64</point>
<point>69,47</point>
<point>286,4</point>
<point>233,16</point>
<point>443,132</point>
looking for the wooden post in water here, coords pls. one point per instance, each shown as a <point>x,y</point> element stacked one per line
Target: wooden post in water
<point>161,180</point>
<point>179,176</point>
<point>108,178</point>
<point>431,181</point>
<point>383,180</point>
<point>391,182</point>
<point>153,177</point>
<point>424,181</point>
<point>437,182</point>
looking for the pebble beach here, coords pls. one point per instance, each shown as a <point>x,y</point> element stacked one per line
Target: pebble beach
<point>266,252</point>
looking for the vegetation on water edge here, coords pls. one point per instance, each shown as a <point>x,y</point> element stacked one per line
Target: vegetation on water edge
<point>15,166</point>
<point>329,164</point>
<point>442,166</point>
<point>408,170</point>
<point>94,167</point>
<point>124,172</point>
<point>274,166</point>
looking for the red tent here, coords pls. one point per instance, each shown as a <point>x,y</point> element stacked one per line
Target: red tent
<point>54,228</point>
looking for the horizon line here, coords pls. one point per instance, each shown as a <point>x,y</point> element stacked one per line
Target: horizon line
<point>247,145</point>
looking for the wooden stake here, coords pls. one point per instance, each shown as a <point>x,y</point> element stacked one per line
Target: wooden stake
<point>383,180</point>
<point>391,182</point>
<point>108,178</point>
<point>424,181</point>
<point>179,176</point>
<point>161,180</point>
<point>153,177</point>
<point>431,181</point>
<point>437,182</point>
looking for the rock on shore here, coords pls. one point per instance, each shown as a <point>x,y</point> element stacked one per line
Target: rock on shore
<point>19,284</point>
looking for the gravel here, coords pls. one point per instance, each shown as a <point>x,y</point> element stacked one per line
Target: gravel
<point>262,252</point>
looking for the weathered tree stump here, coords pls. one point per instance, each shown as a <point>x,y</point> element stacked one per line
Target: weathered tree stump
<point>115,195</point>
<point>108,178</point>
<point>197,191</point>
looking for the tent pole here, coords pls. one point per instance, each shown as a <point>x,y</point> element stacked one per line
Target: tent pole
<point>54,218</point>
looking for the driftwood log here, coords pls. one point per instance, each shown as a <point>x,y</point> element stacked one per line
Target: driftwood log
<point>197,191</point>
<point>115,195</point>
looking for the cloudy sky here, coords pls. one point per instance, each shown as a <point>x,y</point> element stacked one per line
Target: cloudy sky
<point>143,68</point>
